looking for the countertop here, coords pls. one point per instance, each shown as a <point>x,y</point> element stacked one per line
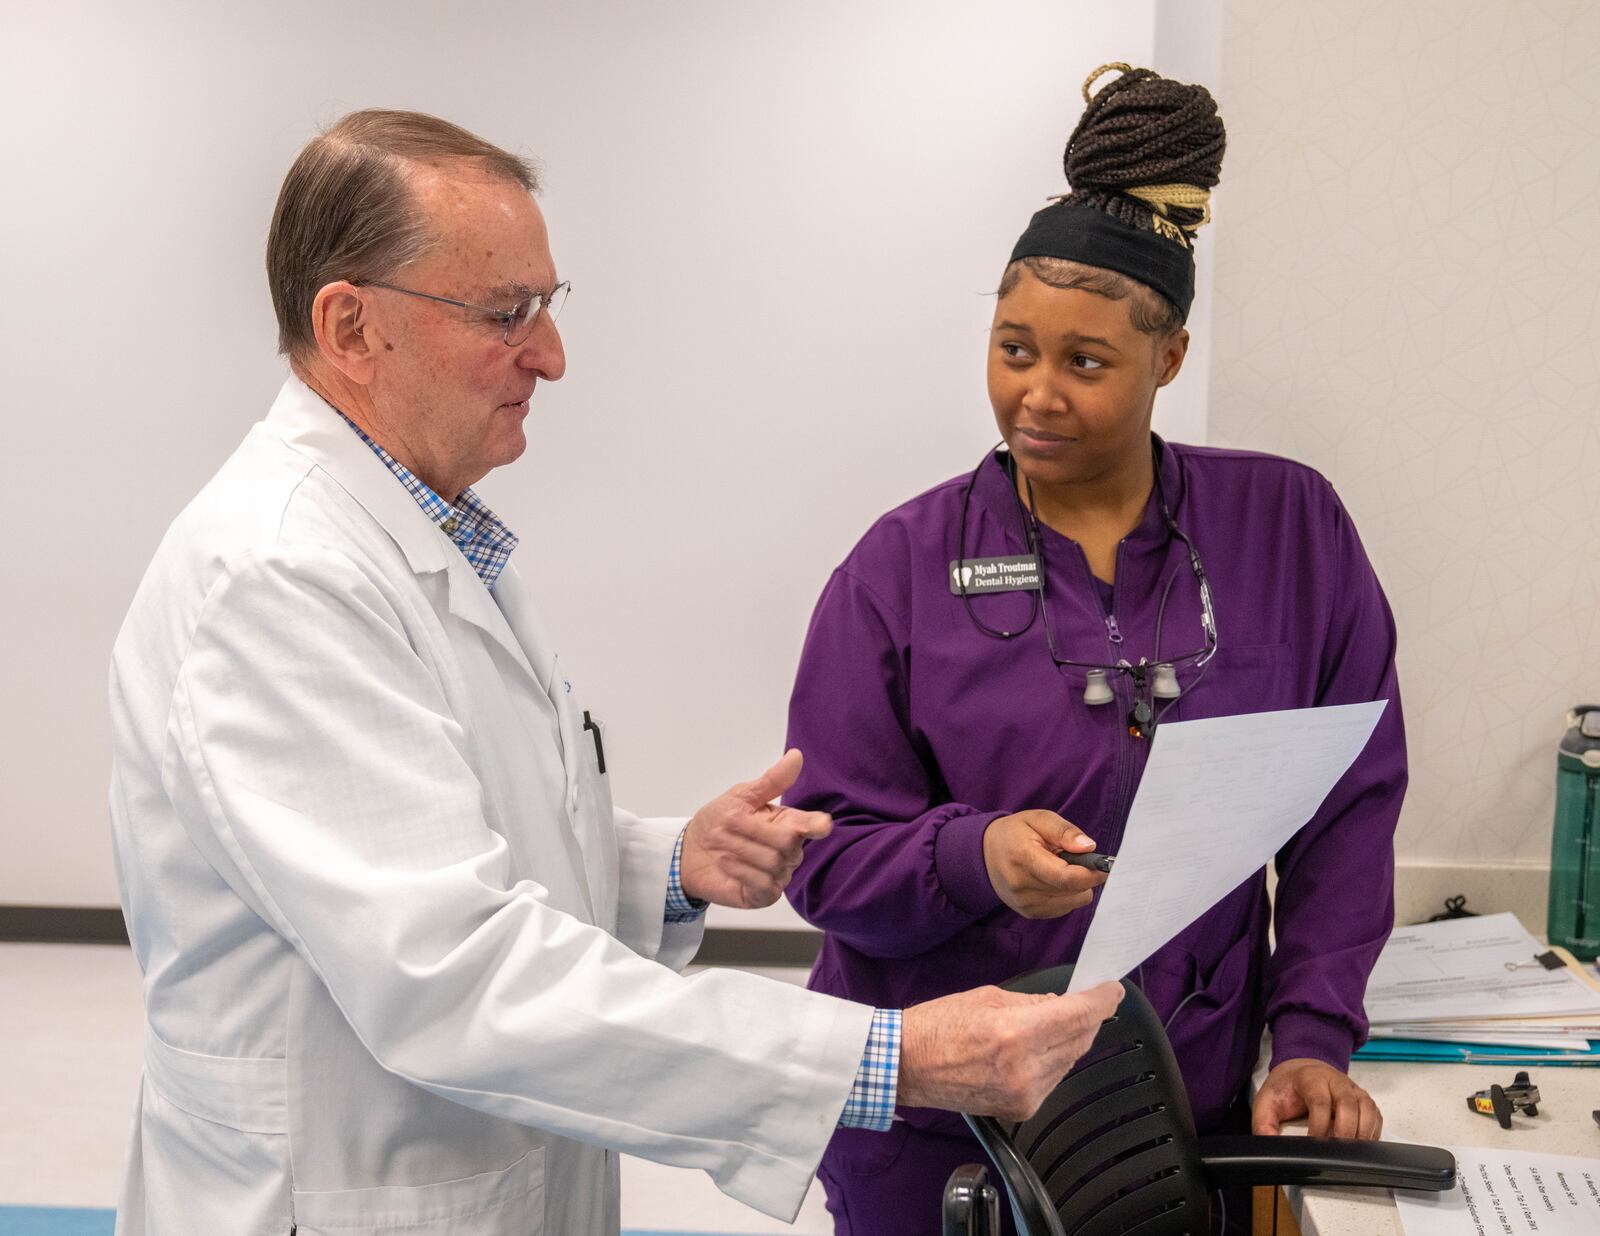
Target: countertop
<point>1427,1103</point>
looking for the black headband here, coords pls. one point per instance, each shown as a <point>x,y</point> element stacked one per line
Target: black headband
<point>1089,235</point>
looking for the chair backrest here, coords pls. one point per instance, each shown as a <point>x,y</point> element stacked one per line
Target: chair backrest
<point>1113,1150</point>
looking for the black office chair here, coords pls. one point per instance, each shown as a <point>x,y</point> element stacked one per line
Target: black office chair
<point>1114,1152</point>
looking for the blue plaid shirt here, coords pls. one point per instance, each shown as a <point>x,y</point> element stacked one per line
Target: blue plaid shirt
<point>487,544</point>
<point>871,1101</point>
<point>476,530</point>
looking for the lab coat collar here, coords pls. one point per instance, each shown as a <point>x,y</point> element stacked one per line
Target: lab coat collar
<point>996,491</point>
<point>307,424</point>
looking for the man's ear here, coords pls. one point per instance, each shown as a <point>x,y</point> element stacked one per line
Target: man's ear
<point>347,336</point>
<point>1169,355</point>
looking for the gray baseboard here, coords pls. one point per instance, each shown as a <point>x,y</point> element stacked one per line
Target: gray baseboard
<point>1420,889</point>
<point>758,950</point>
<point>104,925</point>
<point>62,925</point>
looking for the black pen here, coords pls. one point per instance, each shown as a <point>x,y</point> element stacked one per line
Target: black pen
<point>1092,860</point>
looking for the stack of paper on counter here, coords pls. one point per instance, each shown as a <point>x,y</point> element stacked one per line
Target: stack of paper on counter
<point>1510,1193</point>
<point>1471,990</point>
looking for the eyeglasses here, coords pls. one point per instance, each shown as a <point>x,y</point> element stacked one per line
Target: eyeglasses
<point>1155,682</point>
<point>517,320</point>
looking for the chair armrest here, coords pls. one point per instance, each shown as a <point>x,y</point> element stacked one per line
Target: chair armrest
<point>1325,1161</point>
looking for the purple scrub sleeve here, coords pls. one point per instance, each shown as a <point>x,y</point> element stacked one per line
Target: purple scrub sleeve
<point>1325,950</point>
<point>919,730</point>
<point>927,864</point>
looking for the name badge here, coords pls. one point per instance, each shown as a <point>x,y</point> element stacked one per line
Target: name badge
<point>978,575</point>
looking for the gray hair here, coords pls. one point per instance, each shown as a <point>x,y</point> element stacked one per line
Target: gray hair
<point>347,210</point>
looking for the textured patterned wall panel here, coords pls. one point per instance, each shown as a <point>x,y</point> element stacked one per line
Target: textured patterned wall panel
<point>1408,298</point>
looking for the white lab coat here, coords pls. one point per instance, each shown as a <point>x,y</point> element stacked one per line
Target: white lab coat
<point>405,966</point>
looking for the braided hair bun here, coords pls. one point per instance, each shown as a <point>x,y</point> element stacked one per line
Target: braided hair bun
<point>1147,151</point>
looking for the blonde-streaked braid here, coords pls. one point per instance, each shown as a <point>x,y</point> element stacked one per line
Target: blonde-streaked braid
<point>1147,150</point>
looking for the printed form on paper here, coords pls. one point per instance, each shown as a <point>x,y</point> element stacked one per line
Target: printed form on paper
<point>1219,798</point>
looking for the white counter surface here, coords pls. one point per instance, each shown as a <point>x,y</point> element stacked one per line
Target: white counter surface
<point>1427,1103</point>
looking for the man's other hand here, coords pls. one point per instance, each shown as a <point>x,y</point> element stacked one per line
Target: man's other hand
<point>740,850</point>
<point>1020,853</point>
<point>997,1053</point>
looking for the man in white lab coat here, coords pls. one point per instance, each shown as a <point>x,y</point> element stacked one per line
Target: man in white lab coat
<point>406,967</point>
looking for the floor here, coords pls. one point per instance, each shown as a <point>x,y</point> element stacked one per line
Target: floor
<point>71,1029</point>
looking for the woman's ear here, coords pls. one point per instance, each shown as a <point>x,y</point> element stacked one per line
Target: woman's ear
<point>1170,352</point>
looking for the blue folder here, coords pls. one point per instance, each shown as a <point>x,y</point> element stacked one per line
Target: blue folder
<point>1425,1051</point>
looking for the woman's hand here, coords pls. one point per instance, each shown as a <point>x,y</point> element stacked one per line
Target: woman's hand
<point>1333,1104</point>
<point>1020,852</point>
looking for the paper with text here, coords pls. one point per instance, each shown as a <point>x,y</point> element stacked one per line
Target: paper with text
<point>1219,798</point>
<point>1508,1193</point>
<point>1463,968</point>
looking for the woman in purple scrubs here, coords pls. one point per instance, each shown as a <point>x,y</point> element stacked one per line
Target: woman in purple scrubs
<point>946,698</point>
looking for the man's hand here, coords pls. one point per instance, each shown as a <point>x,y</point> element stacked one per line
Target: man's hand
<point>990,1052</point>
<point>1020,852</point>
<point>1333,1104</point>
<point>740,850</point>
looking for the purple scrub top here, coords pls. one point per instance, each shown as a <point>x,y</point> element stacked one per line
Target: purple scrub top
<point>919,730</point>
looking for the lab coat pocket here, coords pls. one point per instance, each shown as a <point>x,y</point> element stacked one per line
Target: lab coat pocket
<point>489,1204</point>
<point>594,776</point>
<point>588,796</point>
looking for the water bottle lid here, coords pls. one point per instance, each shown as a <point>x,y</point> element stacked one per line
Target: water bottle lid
<point>1589,725</point>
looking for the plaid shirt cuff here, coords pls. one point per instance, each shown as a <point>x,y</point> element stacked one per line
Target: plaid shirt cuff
<point>871,1101</point>
<point>681,908</point>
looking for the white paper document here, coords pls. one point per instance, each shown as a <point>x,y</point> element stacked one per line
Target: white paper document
<point>1508,1193</point>
<point>1457,969</point>
<point>1584,1026</point>
<point>1431,1033</point>
<point>1218,799</point>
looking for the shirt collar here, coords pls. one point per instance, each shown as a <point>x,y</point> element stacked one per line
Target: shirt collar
<point>475,530</point>
<point>996,490</point>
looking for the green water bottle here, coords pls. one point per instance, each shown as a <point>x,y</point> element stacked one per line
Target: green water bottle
<point>1575,848</point>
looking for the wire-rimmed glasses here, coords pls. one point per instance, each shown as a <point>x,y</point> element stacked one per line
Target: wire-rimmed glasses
<point>517,320</point>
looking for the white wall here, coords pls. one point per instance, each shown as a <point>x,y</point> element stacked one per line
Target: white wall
<point>1407,299</point>
<point>1187,38</point>
<point>780,221</point>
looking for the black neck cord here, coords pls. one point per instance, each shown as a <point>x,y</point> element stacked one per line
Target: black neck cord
<point>961,557</point>
<point>1036,543</point>
<point>1039,606</point>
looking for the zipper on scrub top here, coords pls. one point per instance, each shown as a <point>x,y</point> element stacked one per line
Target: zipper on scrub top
<point>1126,756</point>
